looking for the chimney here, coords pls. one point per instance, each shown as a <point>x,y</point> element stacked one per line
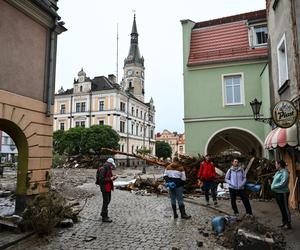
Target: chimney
<point>112,78</point>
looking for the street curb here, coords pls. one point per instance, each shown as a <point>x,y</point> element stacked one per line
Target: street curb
<point>9,244</point>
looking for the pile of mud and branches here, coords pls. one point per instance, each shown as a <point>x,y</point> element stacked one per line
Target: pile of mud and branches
<point>47,211</point>
<point>259,170</point>
<point>248,233</point>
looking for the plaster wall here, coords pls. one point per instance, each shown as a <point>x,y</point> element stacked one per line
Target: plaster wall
<point>23,45</point>
<point>279,24</point>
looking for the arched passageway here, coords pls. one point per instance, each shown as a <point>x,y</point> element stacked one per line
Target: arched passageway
<point>236,140</point>
<point>20,140</point>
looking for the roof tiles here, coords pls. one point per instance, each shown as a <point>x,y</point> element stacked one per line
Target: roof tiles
<point>223,42</point>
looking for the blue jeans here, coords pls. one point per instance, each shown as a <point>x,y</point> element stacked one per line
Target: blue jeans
<point>176,194</point>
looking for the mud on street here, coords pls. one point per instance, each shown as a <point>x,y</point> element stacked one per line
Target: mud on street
<point>139,221</point>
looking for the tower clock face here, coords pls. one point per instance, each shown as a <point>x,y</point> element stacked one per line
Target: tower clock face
<point>81,78</point>
<point>129,72</point>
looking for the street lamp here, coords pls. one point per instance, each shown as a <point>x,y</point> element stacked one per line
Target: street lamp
<point>255,105</point>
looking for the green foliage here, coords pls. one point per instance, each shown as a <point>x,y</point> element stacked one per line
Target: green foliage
<point>59,141</point>
<point>58,160</point>
<point>163,149</point>
<point>143,151</point>
<point>81,140</point>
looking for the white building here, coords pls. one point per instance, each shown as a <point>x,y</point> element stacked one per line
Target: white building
<point>102,100</point>
<point>8,149</point>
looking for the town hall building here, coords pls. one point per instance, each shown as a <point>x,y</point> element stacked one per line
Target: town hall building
<point>103,101</point>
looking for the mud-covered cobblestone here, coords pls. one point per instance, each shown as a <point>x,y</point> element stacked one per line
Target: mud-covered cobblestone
<point>139,222</point>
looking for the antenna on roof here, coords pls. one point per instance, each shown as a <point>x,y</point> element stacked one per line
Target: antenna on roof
<point>117,72</point>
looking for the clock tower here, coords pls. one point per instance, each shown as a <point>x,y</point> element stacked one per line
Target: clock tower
<point>133,79</point>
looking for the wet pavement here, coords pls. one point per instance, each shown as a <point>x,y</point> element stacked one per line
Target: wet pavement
<point>142,222</point>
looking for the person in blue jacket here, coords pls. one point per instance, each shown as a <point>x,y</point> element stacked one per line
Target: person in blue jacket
<point>236,178</point>
<point>280,187</point>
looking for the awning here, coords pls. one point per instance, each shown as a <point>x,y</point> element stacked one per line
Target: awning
<point>281,137</point>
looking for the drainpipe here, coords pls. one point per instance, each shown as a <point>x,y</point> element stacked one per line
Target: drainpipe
<point>71,111</point>
<point>57,29</point>
<point>90,108</point>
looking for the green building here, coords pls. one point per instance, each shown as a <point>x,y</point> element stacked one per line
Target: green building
<point>225,67</point>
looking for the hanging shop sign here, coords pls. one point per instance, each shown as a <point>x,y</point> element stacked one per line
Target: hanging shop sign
<point>284,114</point>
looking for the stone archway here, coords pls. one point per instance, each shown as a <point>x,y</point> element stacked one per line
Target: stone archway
<point>21,142</point>
<point>24,119</point>
<point>235,139</point>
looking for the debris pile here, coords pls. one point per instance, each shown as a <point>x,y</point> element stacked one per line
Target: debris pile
<point>250,234</point>
<point>259,171</point>
<point>46,211</point>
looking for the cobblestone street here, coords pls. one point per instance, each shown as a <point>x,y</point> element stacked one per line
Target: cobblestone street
<point>139,222</point>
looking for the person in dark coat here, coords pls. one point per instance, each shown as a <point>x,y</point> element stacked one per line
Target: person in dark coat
<point>105,178</point>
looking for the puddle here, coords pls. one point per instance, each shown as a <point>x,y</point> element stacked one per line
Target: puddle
<point>7,206</point>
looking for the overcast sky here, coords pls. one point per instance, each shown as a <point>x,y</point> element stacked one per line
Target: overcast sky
<point>91,43</point>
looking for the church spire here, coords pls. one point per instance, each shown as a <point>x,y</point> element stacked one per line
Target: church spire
<point>134,56</point>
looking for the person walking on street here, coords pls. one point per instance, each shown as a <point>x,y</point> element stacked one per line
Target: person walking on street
<point>175,178</point>
<point>236,178</point>
<point>207,175</point>
<point>280,187</point>
<point>105,178</point>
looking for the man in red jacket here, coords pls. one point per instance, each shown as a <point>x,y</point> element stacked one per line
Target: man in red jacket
<point>207,175</point>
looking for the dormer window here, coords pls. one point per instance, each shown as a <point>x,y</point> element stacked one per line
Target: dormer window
<point>259,35</point>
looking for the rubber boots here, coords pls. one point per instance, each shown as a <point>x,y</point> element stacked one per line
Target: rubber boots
<point>105,218</point>
<point>174,211</point>
<point>183,214</point>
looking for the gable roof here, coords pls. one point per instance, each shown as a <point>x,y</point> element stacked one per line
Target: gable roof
<point>224,39</point>
<point>98,83</point>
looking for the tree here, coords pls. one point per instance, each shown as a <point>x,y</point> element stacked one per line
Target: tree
<point>59,141</point>
<point>97,137</point>
<point>81,140</point>
<point>163,149</point>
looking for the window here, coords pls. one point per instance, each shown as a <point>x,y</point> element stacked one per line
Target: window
<point>101,105</point>
<point>122,106</point>
<point>83,107</point>
<point>80,89</point>
<point>233,89</point>
<point>132,110</point>
<point>80,124</point>
<point>141,114</point>
<point>137,113</point>
<point>62,126</point>
<point>151,133</point>
<point>62,108</point>
<point>282,62</point>
<point>180,149</point>
<point>101,122</point>
<point>77,107</point>
<point>132,149</point>
<point>80,107</point>
<point>137,129</point>
<point>132,128</point>
<point>122,127</point>
<point>260,35</point>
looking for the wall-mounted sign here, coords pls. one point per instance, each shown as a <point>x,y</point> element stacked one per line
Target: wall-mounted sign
<point>284,114</point>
